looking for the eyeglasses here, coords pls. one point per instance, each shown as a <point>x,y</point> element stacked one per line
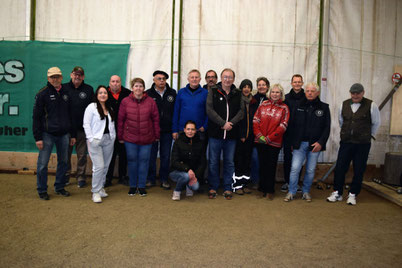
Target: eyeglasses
<point>228,78</point>
<point>160,78</point>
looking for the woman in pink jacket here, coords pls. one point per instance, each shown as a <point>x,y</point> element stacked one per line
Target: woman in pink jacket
<point>138,128</point>
<point>269,124</point>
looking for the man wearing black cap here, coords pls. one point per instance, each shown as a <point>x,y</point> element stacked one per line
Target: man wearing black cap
<point>359,119</point>
<point>165,97</point>
<point>81,95</point>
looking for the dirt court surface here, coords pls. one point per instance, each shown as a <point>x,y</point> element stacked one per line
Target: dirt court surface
<point>155,231</point>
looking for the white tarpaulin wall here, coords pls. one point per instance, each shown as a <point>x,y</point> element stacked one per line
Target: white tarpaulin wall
<point>145,24</point>
<point>362,42</point>
<point>255,38</point>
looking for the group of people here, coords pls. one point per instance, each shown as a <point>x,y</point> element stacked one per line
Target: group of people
<point>218,120</point>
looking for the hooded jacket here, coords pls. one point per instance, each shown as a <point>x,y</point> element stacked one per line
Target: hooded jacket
<point>138,120</point>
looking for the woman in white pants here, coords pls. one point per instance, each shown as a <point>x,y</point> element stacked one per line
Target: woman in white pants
<point>100,133</point>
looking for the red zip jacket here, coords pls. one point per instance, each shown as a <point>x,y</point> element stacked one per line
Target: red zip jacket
<point>138,120</point>
<point>271,121</point>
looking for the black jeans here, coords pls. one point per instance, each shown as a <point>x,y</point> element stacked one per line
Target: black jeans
<point>119,149</point>
<point>268,157</point>
<point>348,152</point>
<point>243,157</point>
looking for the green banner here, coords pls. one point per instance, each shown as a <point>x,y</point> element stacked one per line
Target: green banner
<point>23,72</point>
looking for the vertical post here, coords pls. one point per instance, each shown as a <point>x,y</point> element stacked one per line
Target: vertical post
<point>180,43</point>
<point>172,50</point>
<point>32,20</point>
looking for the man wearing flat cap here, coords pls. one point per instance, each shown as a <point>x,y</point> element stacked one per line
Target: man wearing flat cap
<point>52,126</point>
<point>81,95</point>
<point>165,97</point>
<point>359,119</point>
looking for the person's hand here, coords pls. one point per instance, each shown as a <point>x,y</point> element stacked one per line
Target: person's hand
<point>175,135</point>
<point>72,141</point>
<point>191,174</point>
<point>121,141</point>
<point>262,139</point>
<point>227,126</point>
<point>202,129</point>
<point>243,140</point>
<point>316,147</point>
<point>39,144</point>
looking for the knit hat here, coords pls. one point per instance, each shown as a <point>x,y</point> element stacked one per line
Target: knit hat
<point>246,82</point>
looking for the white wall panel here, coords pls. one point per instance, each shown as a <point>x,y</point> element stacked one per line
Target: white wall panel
<point>14,20</point>
<point>364,45</point>
<point>145,24</point>
<point>254,37</point>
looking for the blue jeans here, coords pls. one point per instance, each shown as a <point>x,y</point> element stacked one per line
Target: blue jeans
<point>138,163</point>
<point>62,143</point>
<point>255,166</point>
<point>181,178</point>
<point>298,158</point>
<point>228,146</point>
<point>164,145</point>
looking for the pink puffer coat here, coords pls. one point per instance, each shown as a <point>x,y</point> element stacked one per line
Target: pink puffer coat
<point>138,120</point>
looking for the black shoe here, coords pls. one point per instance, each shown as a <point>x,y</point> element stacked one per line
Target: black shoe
<point>132,191</point>
<point>63,193</point>
<point>108,182</point>
<point>44,196</point>
<point>82,184</point>
<point>142,191</point>
<point>165,185</point>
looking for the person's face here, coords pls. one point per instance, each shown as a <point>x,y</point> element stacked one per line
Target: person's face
<point>77,78</point>
<point>275,94</point>
<point>297,84</point>
<point>138,90</point>
<point>357,97</point>
<point>246,90</point>
<point>102,95</point>
<point>194,79</point>
<point>227,79</point>
<point>115,83</point>
<point>262,87</point>
<point>160,81</point>
<point>211,79</point>
<point>190,130</point>
<point>312,93</point>
<point>55,80</point>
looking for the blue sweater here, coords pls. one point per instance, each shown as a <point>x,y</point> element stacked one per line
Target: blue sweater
<point>190,106</point>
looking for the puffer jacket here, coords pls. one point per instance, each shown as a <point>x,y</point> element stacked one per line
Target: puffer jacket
<point>271,121</point>
<point>138,120</point>
<point>189,153</point>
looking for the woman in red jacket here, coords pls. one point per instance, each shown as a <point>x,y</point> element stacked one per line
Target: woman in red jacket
<point>269,124</point>
<point>138,128</point>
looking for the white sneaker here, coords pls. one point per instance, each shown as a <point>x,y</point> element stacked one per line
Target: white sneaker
<point>96,198</point>
<point>351,199</point>
<point>176,196</point>
<point>103,193</point>
<point>334,197</point>
<point>189,192</point>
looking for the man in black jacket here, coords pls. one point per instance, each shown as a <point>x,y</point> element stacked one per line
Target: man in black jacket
<point>292,100</point>
<point>81,95</point>
<point>52,126</point>
<point>116,94</point>
<point>165,97</point>
<point>312,124</point>
<point>224,112</point>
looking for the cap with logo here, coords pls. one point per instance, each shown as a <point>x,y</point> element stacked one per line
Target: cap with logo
<point>53,71</point>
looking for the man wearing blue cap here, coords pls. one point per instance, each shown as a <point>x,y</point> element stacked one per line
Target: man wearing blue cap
<point>359,119</point>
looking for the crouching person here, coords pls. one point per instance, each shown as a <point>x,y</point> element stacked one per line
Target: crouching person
<point>188,161</point>
<point>100,133</point>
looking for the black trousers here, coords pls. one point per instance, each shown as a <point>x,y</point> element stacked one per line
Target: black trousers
<point>119,149</point>
<point>287,159</point>
<point>242,157</point>
<point>358,153</point>
<point>268,157</point>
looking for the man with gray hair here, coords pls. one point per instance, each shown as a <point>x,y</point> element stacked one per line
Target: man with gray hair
<point>312,125</point>
<point>359,119</point>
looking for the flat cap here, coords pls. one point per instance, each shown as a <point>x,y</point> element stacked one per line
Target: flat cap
<point>356,88</point>
<point>162,73</point>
